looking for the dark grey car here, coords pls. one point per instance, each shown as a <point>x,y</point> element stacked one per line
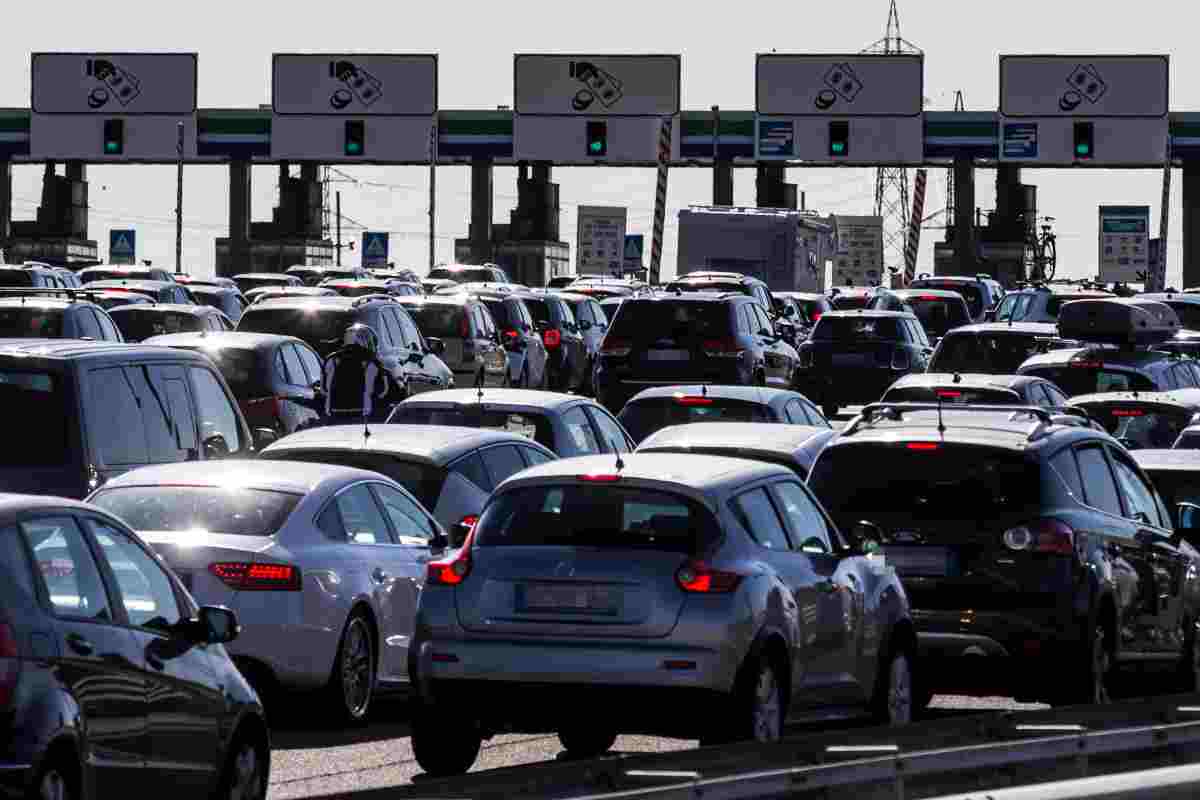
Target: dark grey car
<point>791,446</point>
<point>465,327</point>
<point>651,410</point>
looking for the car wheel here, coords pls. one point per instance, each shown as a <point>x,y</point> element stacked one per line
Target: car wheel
<point>353,681</point>
<point>1189,661</point>
<point>57,780</point>
<point>245,775</point>
<point>587,741</point>
<point>759,703</point>
<point>444,744</point>
<point>892,701</point>
<point>1094,686</point>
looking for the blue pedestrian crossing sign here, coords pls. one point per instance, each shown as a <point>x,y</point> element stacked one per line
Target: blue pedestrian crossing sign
<point>634,245</point>
<point>122,247</point>
<point>374,249</point>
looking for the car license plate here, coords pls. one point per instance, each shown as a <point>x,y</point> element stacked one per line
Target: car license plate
<point>667,355</point>
<point>932,562</point>
<point>848,359</point>
<point>570,599</point>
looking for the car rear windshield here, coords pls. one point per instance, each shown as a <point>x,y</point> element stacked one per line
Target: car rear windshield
<point>644,417</point>
<point>850,302</point>
<point>970,292</point>
<point>258,282</point>
<point>851,329</point>
<point>464,275</point>
<point>242,369</point>
<point>892,482</point>
<point>1075,380</point>
<point>1140,427</point>
<point>499,312</point>
<point>985,353</point>
<point>646,320</point>
<point>37,403</point>
<point>953,395</point>
<point>444,322</point>
<point>423,481</point>
<point>939,314</point>
<point>122,274</point>
<point>31,322</point>
<point>523,423</point>
<point>596,516</point>
<point>1189,315</point>
<point>320,328</point>
<point>211,509</point>
<point>137,324</point>
<point>708,286</point>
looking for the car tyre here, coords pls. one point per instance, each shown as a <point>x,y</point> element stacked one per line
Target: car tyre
<point>352,685</point>
<point>1189,661</point>
<point>892,700</point>
<point>1096,686</point>
<point>245,775</point>
<point>587,741</point>
<point>760,705</point>
<point>58,779</point>
<point>444,744</point>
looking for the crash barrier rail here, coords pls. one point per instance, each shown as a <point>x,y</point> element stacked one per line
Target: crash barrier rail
<point>1169,783</point>
<point>921,760</point>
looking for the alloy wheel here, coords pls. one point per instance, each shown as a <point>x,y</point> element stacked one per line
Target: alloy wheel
<point>900,693</point>
<point>768,706</point>
<point>356,668</point>
<point>246,782</point>
<point>53,786</point>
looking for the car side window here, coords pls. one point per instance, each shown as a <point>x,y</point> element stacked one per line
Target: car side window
<point>1139,497</point>
<point>311,362</point>
<point>502,462</point>
<point>295,369</point>
<point>1022,307</point>
<point>601,318</point>
<point>759,518</point>
<point>408,329</point>
<point>386,328</point>
<point>612,435</point>
<point>745,319</point>
<point>281,373</point>
<point>216,412</point>
<point>471,467</point>
<point>66,567</point>
<point>108,330</point>
<point>796,413</point>
<point>361,518</point>
<point>814,413</point>
<point>764,322</point>
<point>1064,464</point>
<point>410,524</point>
<point>119,434</point>
<point>583,313</point>
<point>1005,310</point>
<point>88,327</point>
<point>1099,487</point>
<point>1053,395</point>
<point>580,431</point>
<point>534,457</point>
<point>178,401</point>
<point>146,590</point>
<point>808,528</point>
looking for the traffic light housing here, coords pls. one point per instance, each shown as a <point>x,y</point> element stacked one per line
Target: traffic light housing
<point>114,137</point>
<point>356,137</point>
<point>597,139</point>
<point>1084,140</point>
<point>839,138</point>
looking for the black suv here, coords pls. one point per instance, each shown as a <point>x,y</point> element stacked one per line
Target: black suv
<point>566,355</point>
<point>690,338</point>
<point>709,281</point>
<point>939,310</point>
<point>995,348</point>
<point>411,359</point>
<point>1038,559</point>
<point>852,357</point>
<point>52,318</point>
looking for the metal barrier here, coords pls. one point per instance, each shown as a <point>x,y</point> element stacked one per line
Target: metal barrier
<point>1170,783</point>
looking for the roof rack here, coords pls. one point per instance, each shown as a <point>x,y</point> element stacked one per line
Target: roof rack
<point>368,298</point>
<point>896,411</point>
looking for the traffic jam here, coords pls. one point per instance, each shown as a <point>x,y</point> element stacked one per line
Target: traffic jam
<point>596,509</point>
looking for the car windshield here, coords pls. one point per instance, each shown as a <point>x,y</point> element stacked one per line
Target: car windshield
<point>893,484</point>
<point>1141,427</point>
<point>850,329</point>
<point>970,292</point>
<point>529,424</point>
<point>35,402</point>
<point>939,314</point>
<point>464,275</point>
<point>646,320</point>
<point>985,353</point>
<point>31,322</point>
<point>320,328</point>
<point>200,509</point>
<point>1090,379</point>
<point>137,324</point>
<point>644,417</point>
<point>595,516</point>
<point>423,481</point>
<point>445,322</point>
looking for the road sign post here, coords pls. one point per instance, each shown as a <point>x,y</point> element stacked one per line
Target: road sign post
<point>660,202</point>
<point>1157,277</point>
<point>913,245</point>
<point>840,109</point>
<point>374,249</point>
<point>122,246</point>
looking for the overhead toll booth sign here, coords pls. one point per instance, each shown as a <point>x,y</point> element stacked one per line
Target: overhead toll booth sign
<point>593,109</point>
<point>345,107</point>
<point>1100,110</point>
<point>840,108</point>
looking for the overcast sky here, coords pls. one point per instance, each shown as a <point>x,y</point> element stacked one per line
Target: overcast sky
<point>475,42</point>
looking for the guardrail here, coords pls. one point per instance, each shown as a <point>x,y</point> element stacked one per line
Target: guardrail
<point>1170,783</point>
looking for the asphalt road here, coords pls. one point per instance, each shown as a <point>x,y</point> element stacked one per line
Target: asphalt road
<point>311,758</point>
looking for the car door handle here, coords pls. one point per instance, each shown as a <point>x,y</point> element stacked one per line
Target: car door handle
<point>79,644</point>
<point>379,576</point>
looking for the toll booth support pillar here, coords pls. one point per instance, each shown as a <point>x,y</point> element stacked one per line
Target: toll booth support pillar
<point>310,197</point>
<point>964,216</point>
<point>5,206</point>
<point>482,198</point>
<point>78,199</point>
<point>1191,225</point>
<point>239,215</point>
<point>723,183</point>
<point>770,189</point>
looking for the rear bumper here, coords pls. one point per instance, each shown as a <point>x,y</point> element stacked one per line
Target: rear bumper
<point>615,389</point>
<point>16,779</point>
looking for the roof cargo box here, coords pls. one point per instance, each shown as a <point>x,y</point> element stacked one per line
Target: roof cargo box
<point>1118,321</point>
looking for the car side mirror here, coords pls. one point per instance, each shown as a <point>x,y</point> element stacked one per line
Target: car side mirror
<point>788,311</point>
<point>215,446</point>
<point>262,437</point>
<point>1188,515</point>
<point>416,357</point>
<point>867,537</point>
<point>436,346</point>
<point>458,534</point>
<point>217,625</point>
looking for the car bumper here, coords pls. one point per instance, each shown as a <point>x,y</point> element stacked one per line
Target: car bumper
<point>16,779</point>
<point>614,390</point>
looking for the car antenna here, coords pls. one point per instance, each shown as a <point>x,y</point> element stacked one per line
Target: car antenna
<point>957,378</point>
<point>704,390</point>
<point>617,451</point>
<point>941,425</point>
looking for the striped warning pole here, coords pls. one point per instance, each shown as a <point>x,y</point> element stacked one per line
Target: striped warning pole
<point>660,201</point>
<point>914,228</point>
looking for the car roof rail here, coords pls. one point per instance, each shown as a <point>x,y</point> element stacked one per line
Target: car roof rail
<point>369,298</point>
<point>896,411</point>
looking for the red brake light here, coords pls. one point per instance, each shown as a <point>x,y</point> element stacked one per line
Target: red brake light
<point>552,338</point>
<point>1088,364</point>
<point>923,446</point>
<point>1128,412</point>
<point>1045,535</point>
<point>616,347</point>
<point>600,477</point>
<point>464,327</point>
<point>948,394</point>
<point>469,521</point>
<point>257,577</point>
<point>10,665</point>
<point>698,578</point>
<point>721,348</point>
<point>511,334</point>
<point>261,404</point>
<point>694,401</point>
<point>450,572</point>
<point>928,297</point>
<point>817,315</point>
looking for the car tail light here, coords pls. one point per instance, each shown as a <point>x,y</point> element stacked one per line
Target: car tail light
<point>267,405</point>
<point>552,338</point>
<point>817,315</point>
<point>923,447</point>
<point>949,394</point>
<point>248,577</point>
<point>1087,363</point>
<point>618,348</point>
<point>452,571</point>
<point>10,665</point>
<point>696,577</point>
<point>928,297</point>
<point>464,327</point>
<point>511,334</point>
<point>900,359</point>
<point>721,348</point>
<point>693,401</point>
<point>600,477</point>
<point>1044,535</point>
<point>469,521</point>
<point>1128,412</point>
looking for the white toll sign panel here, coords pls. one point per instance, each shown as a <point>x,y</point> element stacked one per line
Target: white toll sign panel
<point>1124,243</point>
<point>1084,86</point>
<point>596,85</point>
<point>113,84</point>
<point>839,85</point>
<point>600,245</point>
<point>322,84</point>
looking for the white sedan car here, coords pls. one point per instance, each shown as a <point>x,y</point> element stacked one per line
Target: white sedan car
<point>323,565</point>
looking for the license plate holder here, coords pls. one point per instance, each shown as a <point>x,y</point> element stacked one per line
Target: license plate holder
<point>543,598</point>
<point>849,359</point>
<point>667,355</point>
<point>922,561</point>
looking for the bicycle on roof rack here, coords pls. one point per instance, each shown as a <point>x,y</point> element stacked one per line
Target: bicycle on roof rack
<point>1041,252</point>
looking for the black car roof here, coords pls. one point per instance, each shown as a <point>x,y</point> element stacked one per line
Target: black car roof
<point>74,349</point>
<point>762,395</point>
<point>164,308</point>
<point>866,313</point>
<point>242,340</point>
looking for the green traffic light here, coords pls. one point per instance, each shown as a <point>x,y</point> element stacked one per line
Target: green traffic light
<point>596,147</point>
<point>1081,149</point>
<point>838,147</point>
<point>112,147</point>
<point>353,148</point>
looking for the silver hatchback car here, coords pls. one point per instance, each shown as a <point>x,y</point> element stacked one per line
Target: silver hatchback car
<point>669,594</point>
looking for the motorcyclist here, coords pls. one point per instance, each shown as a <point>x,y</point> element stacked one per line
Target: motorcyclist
<point>356,382</point>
